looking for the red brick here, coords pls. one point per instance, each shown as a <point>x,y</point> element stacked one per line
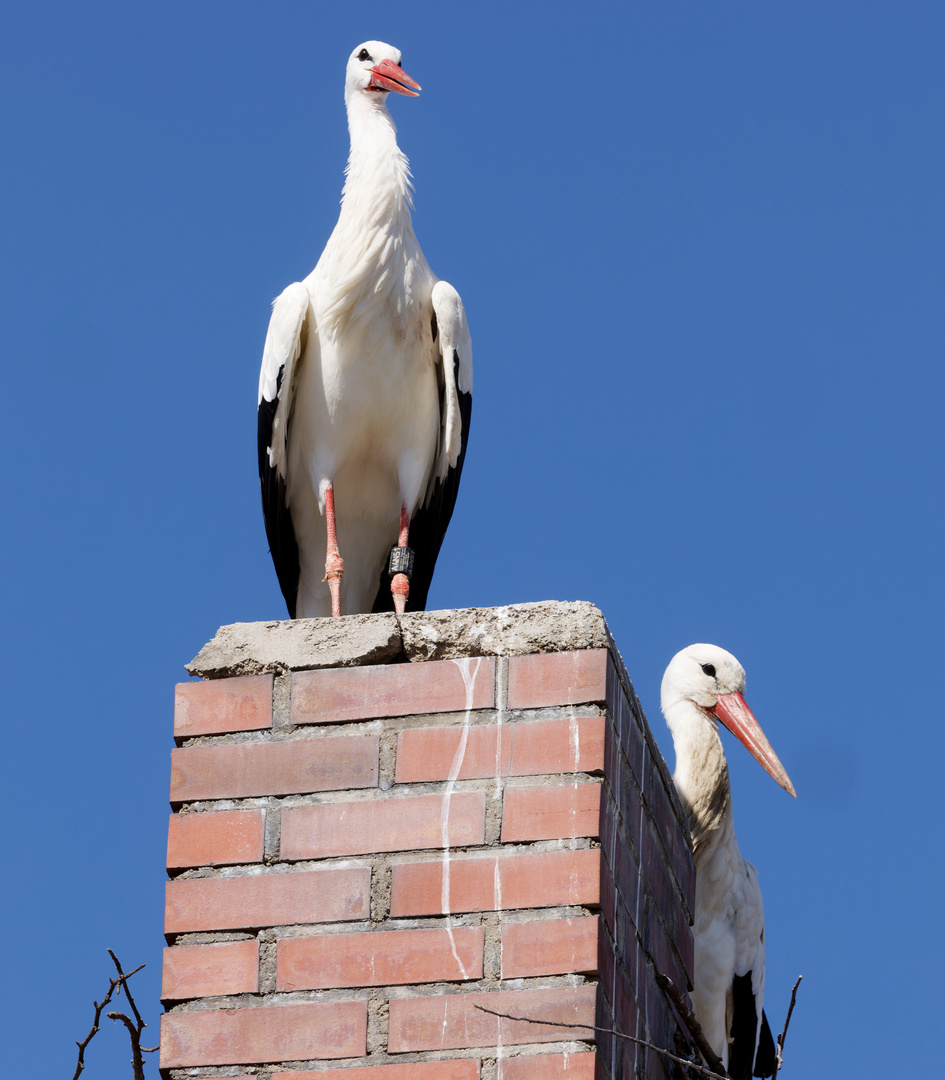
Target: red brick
<point>626,794</point>
<point>496,882</point>
<point>452,1021</point>
<point>562,678</point>
<point>329,1029</point>
<point>386,824</point>
<point>625,869</point>
<point>552,746</point>
<point>618,988</point>
<point>429,753</point>
<point>379,958</point>
<point>628,721</point>
<point>295,767</point>
<point>608,895</point>
<point>549,947</point>
<point>241,903</point>
<point>519,749</point>
<point>682,939</point>
<point>216,839</point>
<point>665,958</point>
<point>659,877</point>
<point>674,839</point>
<point>192,971</point>
<point>219,705</point>
<point>551,812</point>
<point>454,1069</point>
<point>336,695</point>
<point>655,1067</point>
<point>575,1066</point>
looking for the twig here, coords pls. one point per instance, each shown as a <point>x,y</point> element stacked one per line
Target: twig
<point>124,980</point>
<point>80,1065</point>
<point>134,1028</point>
<point>779,1060</point>
<point>712,1059</point>
<point>609,1031</point>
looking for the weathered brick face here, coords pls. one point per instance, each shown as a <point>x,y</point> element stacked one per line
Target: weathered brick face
<point>368,861</point>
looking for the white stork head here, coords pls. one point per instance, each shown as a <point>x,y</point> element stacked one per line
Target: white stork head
<point>711,681</point>
<point>374,69</point>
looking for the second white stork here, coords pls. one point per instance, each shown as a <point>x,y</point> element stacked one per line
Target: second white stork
<point>703,686</point>
<point>365,392</point>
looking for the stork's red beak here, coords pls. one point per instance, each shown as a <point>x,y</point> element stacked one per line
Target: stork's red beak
<point>390,76</point>
<point>734,713</point>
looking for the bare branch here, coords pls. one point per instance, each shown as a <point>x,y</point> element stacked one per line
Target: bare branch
<point>80,1064</point>
<point>787,1020</point>
<point>712,1059</point>
<point>124,980</point>
<point>134,1028</point>
<point>610,1031</point>
<point>134,1032</point>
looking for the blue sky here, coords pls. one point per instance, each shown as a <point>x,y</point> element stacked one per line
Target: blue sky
<point>701,250</point>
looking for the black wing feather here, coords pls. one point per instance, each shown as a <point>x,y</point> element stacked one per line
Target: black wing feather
<point>280,531</point>
<point>743,1062</point>
<point>765,1059</point>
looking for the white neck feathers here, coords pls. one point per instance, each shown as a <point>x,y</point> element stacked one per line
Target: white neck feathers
<point>367,254</point>
<point>701,775</point>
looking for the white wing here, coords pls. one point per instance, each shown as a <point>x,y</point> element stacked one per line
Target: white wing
<point>455,347</point>
<point>285,343</point>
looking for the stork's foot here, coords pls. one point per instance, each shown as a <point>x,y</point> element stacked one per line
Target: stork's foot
<point>400,567</point>
<point>400,587</point>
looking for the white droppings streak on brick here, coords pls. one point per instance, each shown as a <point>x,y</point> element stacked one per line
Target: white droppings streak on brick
<point>574,741</point>
<point>497,899</point>
<point>499,1048</point>
<point>469,669</point>
<point>443,1027</point>
<point>499,717</point>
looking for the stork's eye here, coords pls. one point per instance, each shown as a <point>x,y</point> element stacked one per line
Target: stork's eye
<point>709,669</point>
<point>364,55</point>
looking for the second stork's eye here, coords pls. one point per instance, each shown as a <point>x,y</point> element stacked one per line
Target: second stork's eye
<point>709,669</point>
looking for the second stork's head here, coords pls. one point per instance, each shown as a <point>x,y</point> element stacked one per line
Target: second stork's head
<point>704,683</point>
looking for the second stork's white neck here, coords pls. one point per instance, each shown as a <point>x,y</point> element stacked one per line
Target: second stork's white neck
<point>701,775</point>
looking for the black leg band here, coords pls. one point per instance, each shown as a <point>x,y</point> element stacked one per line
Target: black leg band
<point>401,561</point>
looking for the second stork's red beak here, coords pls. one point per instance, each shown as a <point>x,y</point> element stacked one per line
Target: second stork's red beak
<point>733,711</point>
<point>390,76</point>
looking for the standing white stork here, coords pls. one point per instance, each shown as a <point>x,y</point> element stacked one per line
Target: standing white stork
<point>365,392</point>
<point>702,685</point>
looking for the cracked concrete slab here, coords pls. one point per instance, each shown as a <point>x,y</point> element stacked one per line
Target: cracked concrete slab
<point>513,630</point>
<point>354,640</point>
<point>299,645</point>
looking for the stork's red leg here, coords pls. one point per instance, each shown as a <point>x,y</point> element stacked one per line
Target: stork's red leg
<point>400,583</point>
<point>334,566</point>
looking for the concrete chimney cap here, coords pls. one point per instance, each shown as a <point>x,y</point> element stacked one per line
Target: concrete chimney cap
<point>356,640</point>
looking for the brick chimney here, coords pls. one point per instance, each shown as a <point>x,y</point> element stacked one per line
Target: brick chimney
<point>382,827</point>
